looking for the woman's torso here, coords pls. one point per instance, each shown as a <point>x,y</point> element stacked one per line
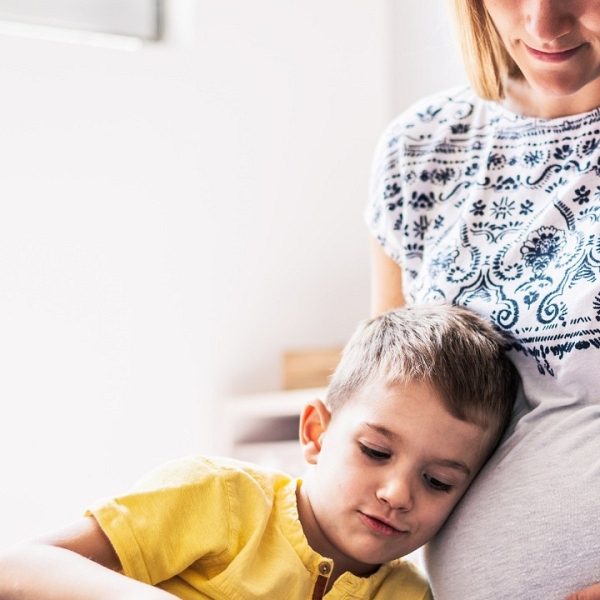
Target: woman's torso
<point>501,213</point>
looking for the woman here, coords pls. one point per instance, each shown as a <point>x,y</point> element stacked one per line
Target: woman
<point>490,197</point>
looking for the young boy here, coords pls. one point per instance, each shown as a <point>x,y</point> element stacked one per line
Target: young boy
<point>419,401</point>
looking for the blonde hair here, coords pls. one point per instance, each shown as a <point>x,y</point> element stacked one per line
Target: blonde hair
<point>487,62</point>
<point>448,347</point>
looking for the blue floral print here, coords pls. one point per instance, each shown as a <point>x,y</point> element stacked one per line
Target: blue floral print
<point>488,209</point>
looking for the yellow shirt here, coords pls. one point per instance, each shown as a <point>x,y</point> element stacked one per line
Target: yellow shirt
<point>220,529</point>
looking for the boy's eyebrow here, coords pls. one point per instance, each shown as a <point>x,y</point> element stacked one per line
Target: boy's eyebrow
<point>455,464</point>
<point>390,435</point>
<point>393,437</point>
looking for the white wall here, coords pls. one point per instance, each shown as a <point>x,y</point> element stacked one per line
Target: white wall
<point>170,221</point>
<point>425,55</point>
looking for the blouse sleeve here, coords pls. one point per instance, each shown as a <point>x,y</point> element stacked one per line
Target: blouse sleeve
<point>383,213</point>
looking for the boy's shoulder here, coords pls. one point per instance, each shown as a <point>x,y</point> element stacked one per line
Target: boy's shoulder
<point>202,469</point>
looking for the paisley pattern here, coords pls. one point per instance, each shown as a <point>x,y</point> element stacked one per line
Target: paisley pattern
<point>500,213</point>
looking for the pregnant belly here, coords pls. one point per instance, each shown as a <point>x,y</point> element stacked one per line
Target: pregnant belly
<point>529,527</point>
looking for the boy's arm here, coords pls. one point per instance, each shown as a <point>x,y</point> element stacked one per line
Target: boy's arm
<point>76,563</point>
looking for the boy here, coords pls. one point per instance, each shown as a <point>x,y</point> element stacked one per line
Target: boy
<point>419,401</point>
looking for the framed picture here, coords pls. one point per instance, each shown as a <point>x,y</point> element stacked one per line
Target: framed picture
<point>83,20</point>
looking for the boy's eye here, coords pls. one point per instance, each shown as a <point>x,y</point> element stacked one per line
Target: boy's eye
<point>374,454</point>
<point>436,484</point>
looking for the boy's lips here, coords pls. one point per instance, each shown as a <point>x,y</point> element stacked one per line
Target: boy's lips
<point>381,526</point>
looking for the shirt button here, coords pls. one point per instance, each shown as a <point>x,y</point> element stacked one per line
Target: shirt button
<point>324,568</point>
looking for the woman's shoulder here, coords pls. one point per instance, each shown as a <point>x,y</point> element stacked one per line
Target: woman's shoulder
<point>453,116</point>
<point>456,119</point>
<point>426,106</point>
<point>447,107</point>
<point>460,113</point>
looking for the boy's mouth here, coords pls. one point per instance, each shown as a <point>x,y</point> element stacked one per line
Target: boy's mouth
<point>380,526</point>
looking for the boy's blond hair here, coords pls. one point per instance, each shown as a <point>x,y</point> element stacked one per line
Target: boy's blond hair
<point>487,62</point>
<point>448,347</point>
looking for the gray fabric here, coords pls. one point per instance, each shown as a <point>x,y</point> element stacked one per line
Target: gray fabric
<point>528,527</point>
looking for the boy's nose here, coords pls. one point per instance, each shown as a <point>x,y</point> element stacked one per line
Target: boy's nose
<point>397,493</point>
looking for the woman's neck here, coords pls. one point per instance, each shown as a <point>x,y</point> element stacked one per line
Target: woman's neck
<point>524,100</point>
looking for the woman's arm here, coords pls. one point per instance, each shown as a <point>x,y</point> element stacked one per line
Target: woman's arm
<point>386,281</point>
<point>76,563</point>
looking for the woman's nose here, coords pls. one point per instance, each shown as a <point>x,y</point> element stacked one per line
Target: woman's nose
<point>396,492</point>
<point>548,20</point>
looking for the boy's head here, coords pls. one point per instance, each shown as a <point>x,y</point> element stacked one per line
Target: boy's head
<point>417,404</point>
<point>453,350</point>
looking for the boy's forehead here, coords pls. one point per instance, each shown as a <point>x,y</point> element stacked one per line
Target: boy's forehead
<point>414,412</point>
<point>393,392</point>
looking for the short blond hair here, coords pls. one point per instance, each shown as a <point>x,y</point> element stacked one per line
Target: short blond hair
<point>458,353</point>
<point>487,62</point>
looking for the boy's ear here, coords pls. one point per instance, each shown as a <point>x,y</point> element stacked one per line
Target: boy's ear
<point>314,420</point>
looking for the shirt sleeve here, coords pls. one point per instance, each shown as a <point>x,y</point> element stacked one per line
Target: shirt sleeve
<point>383,214</point>
<point>171,518</point>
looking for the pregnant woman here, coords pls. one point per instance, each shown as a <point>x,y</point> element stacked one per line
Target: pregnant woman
<point>489,196</point>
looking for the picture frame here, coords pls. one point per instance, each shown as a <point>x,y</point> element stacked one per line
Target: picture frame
<point>98,22</point>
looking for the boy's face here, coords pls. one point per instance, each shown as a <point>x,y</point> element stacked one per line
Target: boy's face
<point>389,467</point>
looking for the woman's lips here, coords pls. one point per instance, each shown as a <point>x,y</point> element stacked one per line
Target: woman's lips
<point>553,57</point>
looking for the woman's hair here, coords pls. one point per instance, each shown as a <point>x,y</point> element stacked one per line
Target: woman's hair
<point>487,62</point>
<point>459,354</point>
